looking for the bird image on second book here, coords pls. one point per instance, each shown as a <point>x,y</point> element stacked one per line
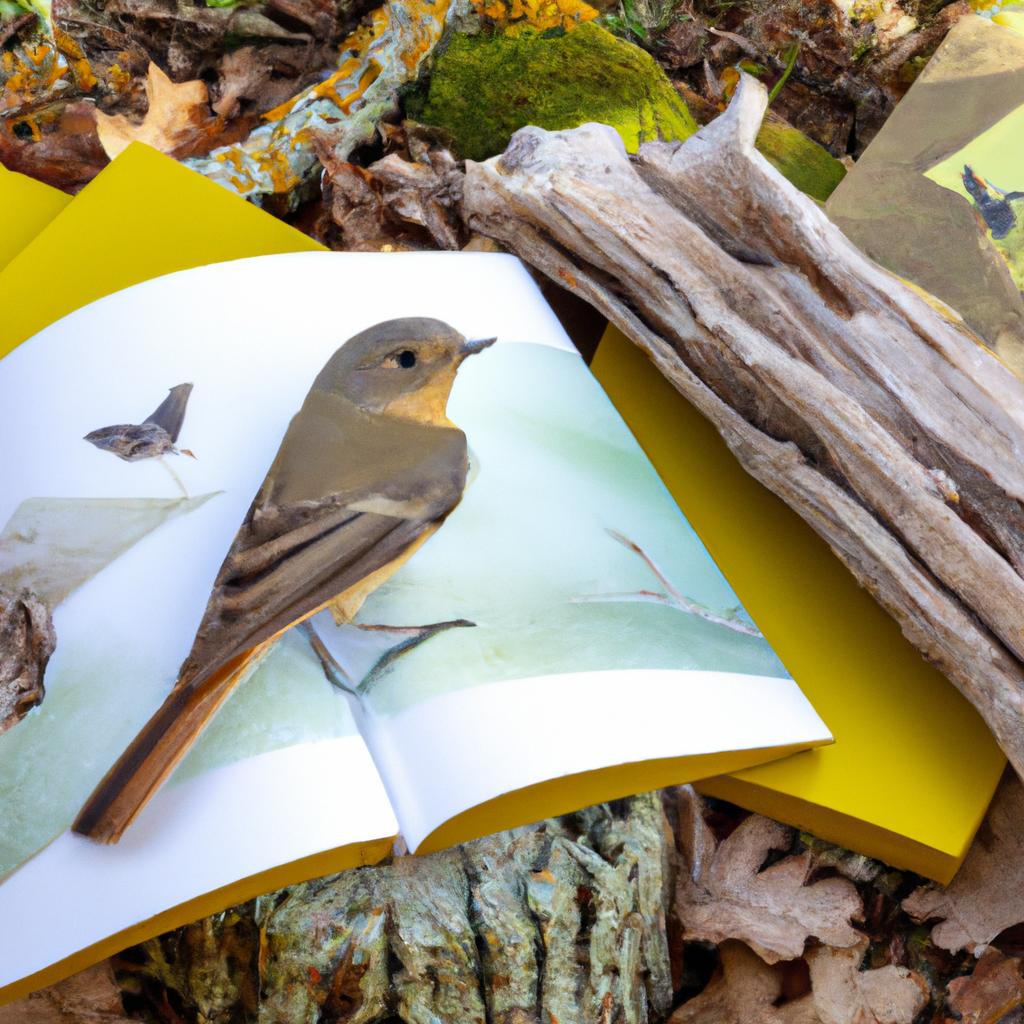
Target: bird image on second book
<point>368,470</point>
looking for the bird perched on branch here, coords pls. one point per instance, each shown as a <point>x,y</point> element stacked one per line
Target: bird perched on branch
<point>368,470</point>
<point>156,435</point>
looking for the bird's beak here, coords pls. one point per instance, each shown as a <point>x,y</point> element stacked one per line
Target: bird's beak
<point>470,348</point>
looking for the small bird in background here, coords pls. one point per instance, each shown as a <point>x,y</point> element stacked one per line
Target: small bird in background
<point>153,438</point>
<point>368,470</point>
<point>994,211</point>
<point>156,435</point>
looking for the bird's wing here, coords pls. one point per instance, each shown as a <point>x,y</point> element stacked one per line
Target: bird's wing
<point>299,572</point>
<point>384,488</point>
<point>170,413</point>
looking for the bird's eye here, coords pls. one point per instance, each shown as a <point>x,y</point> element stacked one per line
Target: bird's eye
<point>407,359</point>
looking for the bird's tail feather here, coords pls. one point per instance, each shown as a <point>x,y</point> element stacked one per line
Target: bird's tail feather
<point>154,753</point>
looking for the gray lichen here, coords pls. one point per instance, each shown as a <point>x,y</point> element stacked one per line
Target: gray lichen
<point>562,920</point>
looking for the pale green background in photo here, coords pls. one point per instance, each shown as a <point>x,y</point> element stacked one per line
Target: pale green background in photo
<point>554,469</point>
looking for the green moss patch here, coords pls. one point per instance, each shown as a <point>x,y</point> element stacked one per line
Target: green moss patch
<point>486,87</point>
<point>812,168</point>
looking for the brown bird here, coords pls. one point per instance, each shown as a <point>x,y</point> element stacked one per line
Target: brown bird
<point>368,470</point>
<point>156,435</point>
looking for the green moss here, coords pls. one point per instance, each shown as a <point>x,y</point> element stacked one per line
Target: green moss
<point>806,164</point>
<point>484,88</point>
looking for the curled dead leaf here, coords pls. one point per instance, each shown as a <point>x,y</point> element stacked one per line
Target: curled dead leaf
<point>178,120</point>
<point>991,991</point>
<point>90,997</point>
<point>748,991</point>
<point>745,991</point>
<point>844,994</point>
<point>726,895</point>
<point>409,199</point>
<point>987,895</point>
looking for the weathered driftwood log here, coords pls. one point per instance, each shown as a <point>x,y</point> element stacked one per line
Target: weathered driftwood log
<point>878,418</point>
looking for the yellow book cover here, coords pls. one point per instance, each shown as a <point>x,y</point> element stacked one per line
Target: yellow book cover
<point>579,686</point>
<point>913,767</point>
<point>26,207</point>
<point>143,216</point>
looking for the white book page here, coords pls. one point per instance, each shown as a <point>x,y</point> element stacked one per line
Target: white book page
<point>126,562</point>
<point>459,750</point>
<point>595,630</point>
<point>196,837</point>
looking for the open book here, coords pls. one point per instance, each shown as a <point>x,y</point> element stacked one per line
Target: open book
<point>558,636</point>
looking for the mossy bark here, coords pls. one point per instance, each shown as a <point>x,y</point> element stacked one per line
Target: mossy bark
<point>565,920</point>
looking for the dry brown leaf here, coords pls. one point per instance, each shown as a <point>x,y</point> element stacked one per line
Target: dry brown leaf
<point>27,641</point>
<point>177,117</point>
<point>90,997</point>
<point>745,991</point>
<point>749,991</point>
<point>725,895</point>
<point>409,199</point>
<point>990,992</point>
<point>844,994</point>
<point>987,895</point>
<point>242,73</point>
<point>64,150</point>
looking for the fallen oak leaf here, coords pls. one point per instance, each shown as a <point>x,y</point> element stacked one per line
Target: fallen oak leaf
<point>987,894</point>
<point>725,895</point>
<point>177,120</point>
<point>990,991</point>
<point>844,994</point>
<point>745,991</point>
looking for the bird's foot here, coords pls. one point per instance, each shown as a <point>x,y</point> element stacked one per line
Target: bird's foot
<point>335,674</point>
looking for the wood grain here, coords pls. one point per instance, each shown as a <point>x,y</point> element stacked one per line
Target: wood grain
<point>866,407</point>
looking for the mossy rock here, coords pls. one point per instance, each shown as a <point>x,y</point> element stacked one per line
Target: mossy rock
<point>486,87</point>
<point>812,168</point>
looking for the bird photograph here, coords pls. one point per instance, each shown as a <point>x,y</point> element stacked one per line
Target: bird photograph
<point>984,173</point>
<point>153,438</point>
<point>993,204</point>
<point>369,468</point>
<point>379,524</point>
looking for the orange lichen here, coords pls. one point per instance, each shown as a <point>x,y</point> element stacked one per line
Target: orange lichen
<point>119,79</point>
<point>81,70</point>
<point>29,73</point>
<point>374,61</point>
<point>518,16</point>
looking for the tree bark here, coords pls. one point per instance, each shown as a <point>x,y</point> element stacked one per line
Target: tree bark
<point>877,416</point>
<point>564,920</point>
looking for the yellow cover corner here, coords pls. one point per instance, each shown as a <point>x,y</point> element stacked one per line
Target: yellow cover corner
<point>142,216</point>
<point>26,207</point>
<point>913,767</point>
